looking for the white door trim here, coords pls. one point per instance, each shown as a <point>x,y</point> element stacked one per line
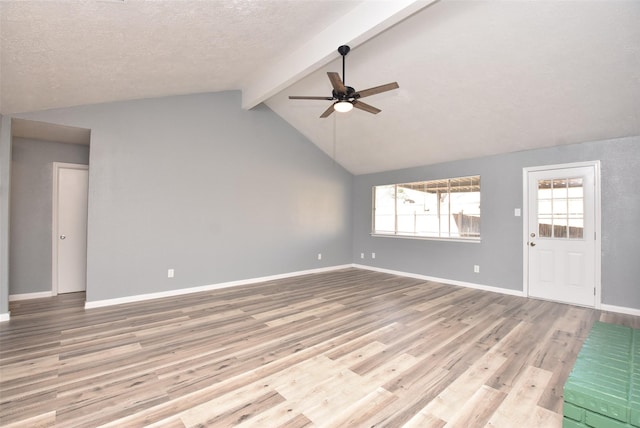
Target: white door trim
<point>54,221</point>
<point>597,220</point>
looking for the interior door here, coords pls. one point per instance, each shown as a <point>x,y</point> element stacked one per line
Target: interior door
<point>561,234</point>
<point>71,231</point>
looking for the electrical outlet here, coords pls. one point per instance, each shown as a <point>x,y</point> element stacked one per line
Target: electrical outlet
<point>319,256</point>
<point>362,255</point>
<point>476,268</point>
<point>170,273</point>
<point>373,255</point>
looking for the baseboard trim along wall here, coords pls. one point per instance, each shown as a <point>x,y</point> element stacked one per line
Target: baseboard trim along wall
<point>178,292</point>
<point>620,309</point>
<point>171,293</point>
<point>28,296</point>
<point>603,307</point>
<point>444,280</point>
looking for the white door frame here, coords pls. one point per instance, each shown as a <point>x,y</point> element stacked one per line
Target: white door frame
<point>597,225</point>
<point>54,221</point>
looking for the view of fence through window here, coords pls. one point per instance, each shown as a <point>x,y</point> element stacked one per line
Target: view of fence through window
<point>447,208</point>
<point>561,208</point>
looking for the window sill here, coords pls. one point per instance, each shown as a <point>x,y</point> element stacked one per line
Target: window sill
<point>428,238</point>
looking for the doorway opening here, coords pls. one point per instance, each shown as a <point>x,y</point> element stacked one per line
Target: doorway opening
<point>36,149</point>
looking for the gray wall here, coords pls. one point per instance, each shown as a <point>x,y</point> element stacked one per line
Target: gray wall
<point>197,184</point>
<point>5,175</point>
<point>501,250</point>
<point>31,202</point>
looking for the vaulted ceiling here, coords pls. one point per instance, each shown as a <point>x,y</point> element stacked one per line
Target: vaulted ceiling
<point>476,77</point>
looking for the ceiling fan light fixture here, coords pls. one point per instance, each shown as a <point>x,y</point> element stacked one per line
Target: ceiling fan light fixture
<point>343,106</point>
<point>346,97</point>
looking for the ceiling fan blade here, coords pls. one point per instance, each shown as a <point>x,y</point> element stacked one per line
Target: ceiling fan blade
<point>376,90</point>
<point>295,97</point>
<point>366,107</point>
<point>336,82</point>
<point>328,111</point>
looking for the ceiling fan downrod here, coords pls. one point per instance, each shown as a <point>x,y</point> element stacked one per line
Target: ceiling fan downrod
<point>343,50</point>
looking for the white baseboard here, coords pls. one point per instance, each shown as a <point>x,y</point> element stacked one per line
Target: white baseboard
<point>603,307</point>
<point>620,309</point>
<point>5,317</point>
<point>444,280</point>
<point>171,293</point>
<point>178,292</point>
<point>27,296</point>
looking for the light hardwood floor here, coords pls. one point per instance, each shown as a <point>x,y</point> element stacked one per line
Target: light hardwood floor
<point>337,349</point>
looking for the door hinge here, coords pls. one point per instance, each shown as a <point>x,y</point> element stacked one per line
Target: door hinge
<point>594,291</point>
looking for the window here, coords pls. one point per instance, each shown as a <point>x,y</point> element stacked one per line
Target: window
<point>561,208</point>
<point>447,208</point>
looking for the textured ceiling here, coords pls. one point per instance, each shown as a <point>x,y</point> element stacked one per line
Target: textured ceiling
<point>481,78</point>
<point>476,77</point>
<point>64,53</point>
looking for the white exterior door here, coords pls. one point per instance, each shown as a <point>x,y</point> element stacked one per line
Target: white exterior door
<point>70,228</point>
<point>561,234</point>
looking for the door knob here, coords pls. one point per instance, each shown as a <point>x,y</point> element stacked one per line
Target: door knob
<point>63,237</point>
<point>533,244</point>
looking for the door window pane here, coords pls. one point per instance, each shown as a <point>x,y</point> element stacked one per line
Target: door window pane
<point>561,208</point>
<point>559,189</point>
<point>576,228</point>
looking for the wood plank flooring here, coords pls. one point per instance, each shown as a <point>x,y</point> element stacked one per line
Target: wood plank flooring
<point>343,348</point>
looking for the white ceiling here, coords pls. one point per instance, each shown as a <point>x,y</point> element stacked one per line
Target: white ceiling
<point>476,77</point>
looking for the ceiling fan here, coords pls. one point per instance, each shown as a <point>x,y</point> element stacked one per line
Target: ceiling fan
<point>346,97</point>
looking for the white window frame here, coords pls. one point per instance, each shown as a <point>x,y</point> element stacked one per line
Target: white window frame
<point>401,235</point>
